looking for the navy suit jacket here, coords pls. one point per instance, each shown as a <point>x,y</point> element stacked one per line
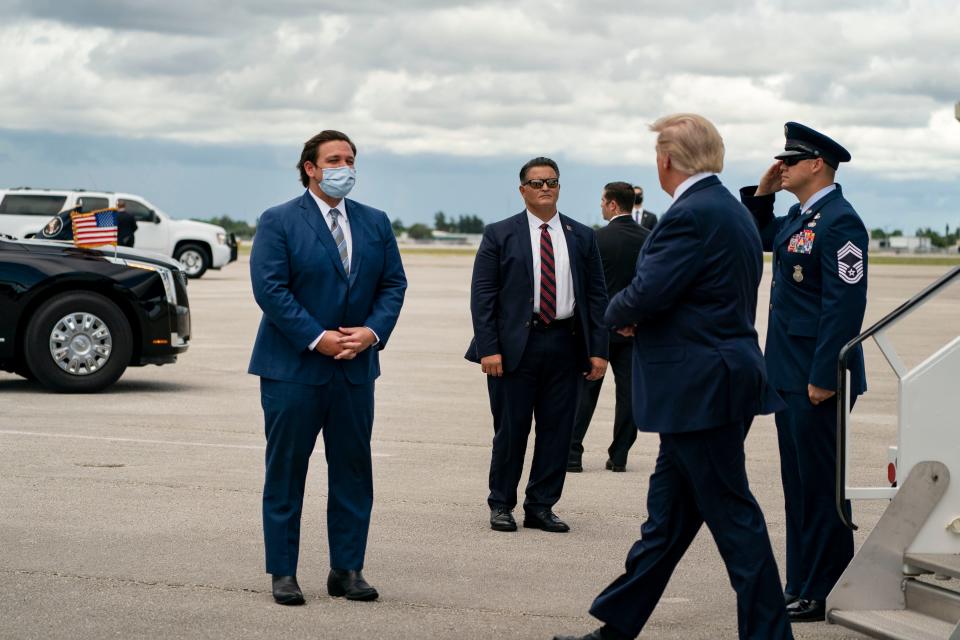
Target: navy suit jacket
<point>501,294</point>
<point>819,292</point>
<point>302,288</point>
<point>696,359</point>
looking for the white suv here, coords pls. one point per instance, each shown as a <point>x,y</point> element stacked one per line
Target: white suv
<point>197,245</point>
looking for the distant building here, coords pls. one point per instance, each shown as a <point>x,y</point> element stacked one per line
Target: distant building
<point>909,244</point>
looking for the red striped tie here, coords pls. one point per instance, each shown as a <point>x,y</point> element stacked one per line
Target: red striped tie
<point>548,278</point>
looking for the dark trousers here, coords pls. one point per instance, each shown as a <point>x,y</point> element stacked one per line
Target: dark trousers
<point>700,476</point>
<point>294,415</point>
<point>819,545</point>
<point>624,429</point>
<point>544,387</point>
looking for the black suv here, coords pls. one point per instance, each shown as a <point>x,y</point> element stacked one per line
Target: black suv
<point>75,319</point>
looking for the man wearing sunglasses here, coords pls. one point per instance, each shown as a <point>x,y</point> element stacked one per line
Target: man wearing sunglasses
<point>817,299</point>
<point>537,301</point>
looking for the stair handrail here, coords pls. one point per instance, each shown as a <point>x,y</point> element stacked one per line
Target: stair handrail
<point>843,382</point>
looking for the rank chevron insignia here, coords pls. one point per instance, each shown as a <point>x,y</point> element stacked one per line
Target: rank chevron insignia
<point>850,263</point>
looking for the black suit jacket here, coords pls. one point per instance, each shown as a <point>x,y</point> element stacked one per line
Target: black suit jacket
<point>501,293</point>
<point>619,243</point>
<point>648,219</point>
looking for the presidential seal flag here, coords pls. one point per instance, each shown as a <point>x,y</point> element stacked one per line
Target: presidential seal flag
<point>850,263</point>
<point>95,228</point>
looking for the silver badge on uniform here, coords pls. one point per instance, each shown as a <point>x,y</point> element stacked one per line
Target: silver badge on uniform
<point>798,273</point>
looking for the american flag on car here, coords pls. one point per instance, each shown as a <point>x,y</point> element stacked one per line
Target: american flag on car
<point>95,228</point>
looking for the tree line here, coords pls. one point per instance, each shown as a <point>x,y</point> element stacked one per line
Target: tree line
<point>945,240</point>
<point>420,231</point>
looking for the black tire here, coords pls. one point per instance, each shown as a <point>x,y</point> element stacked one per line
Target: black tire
<point>194,259</point>
<point>104,336</point>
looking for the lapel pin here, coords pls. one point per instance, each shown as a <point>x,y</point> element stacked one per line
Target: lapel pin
<point>569,228</point>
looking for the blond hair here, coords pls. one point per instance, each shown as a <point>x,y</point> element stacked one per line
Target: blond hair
<point>692,142</point>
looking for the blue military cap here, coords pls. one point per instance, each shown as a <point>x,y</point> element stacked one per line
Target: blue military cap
<point>803,143</point>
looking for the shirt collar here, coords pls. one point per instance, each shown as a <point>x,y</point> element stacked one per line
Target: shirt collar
<point>535,222</point>
<point>325,208</point>
<point>815,198</point>
<point>689,182</point>
<point>620,215</point>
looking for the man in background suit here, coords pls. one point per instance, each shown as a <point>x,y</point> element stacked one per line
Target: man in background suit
<point>817,300</point>
<point>699,379</point>
<point>327,274</point>
<point>644,218</point>
<point>619,243</point>
<point>126,225</point>
<point>537,301</point>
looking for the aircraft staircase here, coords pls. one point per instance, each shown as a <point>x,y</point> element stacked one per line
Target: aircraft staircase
<point>904,582</point>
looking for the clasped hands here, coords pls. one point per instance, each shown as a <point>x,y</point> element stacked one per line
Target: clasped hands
<point>493,366</point>
<point>346,342</point>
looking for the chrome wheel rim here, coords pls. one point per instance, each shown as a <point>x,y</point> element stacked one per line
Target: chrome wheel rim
<point>81,343</point>
<point>192,262</point>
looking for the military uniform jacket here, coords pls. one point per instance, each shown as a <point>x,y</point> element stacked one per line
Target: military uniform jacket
<point>819,290</point>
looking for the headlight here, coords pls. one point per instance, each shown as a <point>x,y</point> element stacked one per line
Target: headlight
<point>222,238</point>
<point>166,275</point>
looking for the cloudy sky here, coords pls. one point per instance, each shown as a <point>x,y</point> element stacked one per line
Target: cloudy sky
<point>202,106</point>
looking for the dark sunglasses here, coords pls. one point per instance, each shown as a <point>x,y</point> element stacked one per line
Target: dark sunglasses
<point>553,183</point>
<point>796,159</point>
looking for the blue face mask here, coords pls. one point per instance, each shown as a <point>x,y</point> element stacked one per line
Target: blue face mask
<point>338,181</point>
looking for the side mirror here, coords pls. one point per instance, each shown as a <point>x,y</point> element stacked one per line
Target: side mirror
<point>154,217</point>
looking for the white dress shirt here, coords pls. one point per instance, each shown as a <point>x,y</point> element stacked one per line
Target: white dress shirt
<point>689,182</point>
<point>815,198</point>
<point>561,261</point>
<point>344,223</point>
<point>342,220</point>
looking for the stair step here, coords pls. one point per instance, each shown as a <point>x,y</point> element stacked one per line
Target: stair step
<point>893,625</point>
<point>932,600</point>
<point>947,564</point>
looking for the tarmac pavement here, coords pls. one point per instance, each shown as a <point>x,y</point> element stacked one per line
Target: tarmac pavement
<point>135,513</point>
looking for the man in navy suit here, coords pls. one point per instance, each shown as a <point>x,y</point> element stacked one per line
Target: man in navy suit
<point>537,301</point>
<point>699,379</point>
<point>817,300</point>
<point>327,274</point>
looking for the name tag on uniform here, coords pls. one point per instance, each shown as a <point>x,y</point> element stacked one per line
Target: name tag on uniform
<point>802,242</point>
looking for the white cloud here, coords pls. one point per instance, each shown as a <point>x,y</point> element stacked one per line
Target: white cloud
<point>488,78</point>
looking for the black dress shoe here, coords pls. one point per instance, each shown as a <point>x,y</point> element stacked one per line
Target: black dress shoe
<point>619,468</point>
<point>803,610</point>
<point>350,584</point>
<point>546,520</point>
<point>789,598</point>
<point>286,590</point>
<point>502,520</point>
<point>574,466</point>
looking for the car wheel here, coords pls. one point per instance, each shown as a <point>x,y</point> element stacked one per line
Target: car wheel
<point>193,260</point>
<point>78,343</point>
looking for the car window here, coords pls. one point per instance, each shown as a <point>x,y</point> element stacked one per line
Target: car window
<point>27,205</point>
<point>90,203</point>
<point>139,210</point>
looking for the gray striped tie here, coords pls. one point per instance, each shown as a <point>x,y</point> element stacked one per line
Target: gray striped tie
<point>340,240</point>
